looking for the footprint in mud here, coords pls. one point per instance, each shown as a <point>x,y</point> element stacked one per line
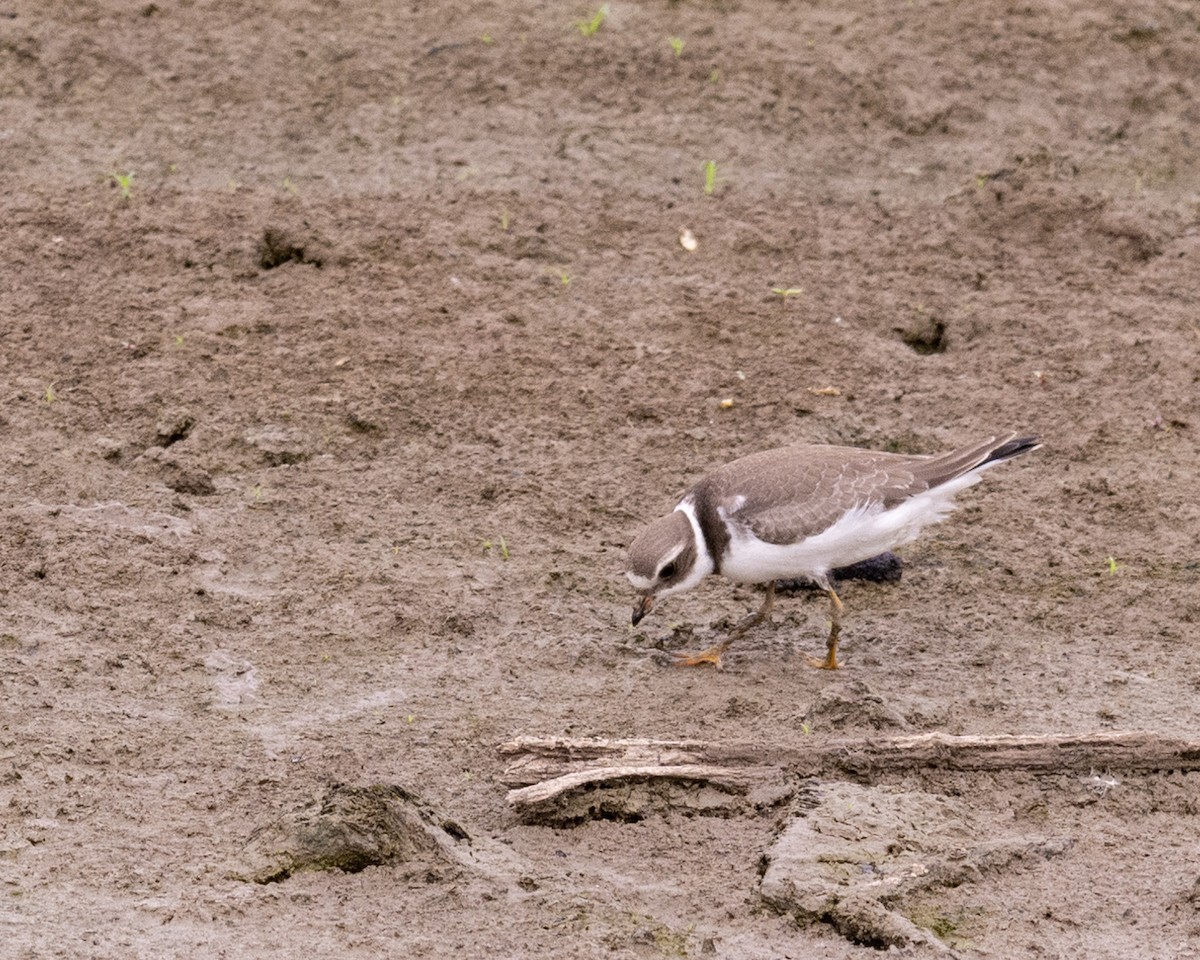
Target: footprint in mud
<point>234,681</point>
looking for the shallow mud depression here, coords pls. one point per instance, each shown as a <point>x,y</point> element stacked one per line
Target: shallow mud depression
<point>345,347</point>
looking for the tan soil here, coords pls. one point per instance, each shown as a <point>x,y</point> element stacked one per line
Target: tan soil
<point>321,449</point>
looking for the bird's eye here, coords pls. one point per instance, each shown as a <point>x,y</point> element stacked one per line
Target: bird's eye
<point>667,572</point>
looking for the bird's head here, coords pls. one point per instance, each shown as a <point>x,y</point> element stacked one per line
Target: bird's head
<point>664,559</point>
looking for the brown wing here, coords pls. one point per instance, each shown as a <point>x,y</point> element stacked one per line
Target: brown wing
<point>789,494</point>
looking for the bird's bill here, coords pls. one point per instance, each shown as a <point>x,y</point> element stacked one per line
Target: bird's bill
<point>643,607</point>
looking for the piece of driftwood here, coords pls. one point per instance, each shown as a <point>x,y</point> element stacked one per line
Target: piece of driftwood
<point>630,792</point>
<point>539,759</point>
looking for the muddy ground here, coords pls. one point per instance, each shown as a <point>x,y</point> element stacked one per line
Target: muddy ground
<point>323,436</point>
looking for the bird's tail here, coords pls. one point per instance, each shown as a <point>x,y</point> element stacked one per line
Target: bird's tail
<point>957,463</point>
<point>1013,447</point>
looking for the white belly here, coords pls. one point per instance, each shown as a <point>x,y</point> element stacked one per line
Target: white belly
<point>860,534</point>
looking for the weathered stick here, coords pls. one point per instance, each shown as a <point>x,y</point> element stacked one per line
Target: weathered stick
<point>1131,752</point>
<point>732,779</point>
<point>537,759</point>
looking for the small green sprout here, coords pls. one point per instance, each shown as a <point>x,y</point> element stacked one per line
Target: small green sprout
<point>505,221</point>
<point>715,76</point>
<point>125,182</point>
<point>288,185</point>
<point>50,395</point>
<point>588,28</point>
<point>499,544</point>
<point>786,292</point>
<point>257,492</point>
<point>806,728</point>
<point>676,45</point>
<point>487,39</point>
<point>1113,566</point>
<point>564,277</point>
<point>710,177</point>
<point>179,339</point>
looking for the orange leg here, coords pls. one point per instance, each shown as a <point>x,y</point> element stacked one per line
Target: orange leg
<point>835,628</point>
<point>713,654</point>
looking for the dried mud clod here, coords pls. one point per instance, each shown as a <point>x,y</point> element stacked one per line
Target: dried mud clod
<point>355,827</point>
<point>854,856</point>
<point>195,482</point>
<point>279,445</point>
<point>172,427</point>
<point>924,335</point>
<point>350,829</point>
<point>852,705</point>
<point>278,247</point>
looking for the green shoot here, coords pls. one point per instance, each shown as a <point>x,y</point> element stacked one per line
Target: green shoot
<point>714,76</point>
<point>500,545</point>
<point>179,339</point>
<point>786,292</point>
<point>505,223</point>
<point>1113,566</point>
<point>51,396</point>
<point>487,39</point>
<point>710,177</point>
<point>288,185</point>
<point>588,28</point>
<point>564,277</point>
<point>125,182</point>
<point>676,45</point>
<point>257,492</point>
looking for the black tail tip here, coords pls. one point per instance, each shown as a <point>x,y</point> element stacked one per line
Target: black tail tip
<point>1014,448</point>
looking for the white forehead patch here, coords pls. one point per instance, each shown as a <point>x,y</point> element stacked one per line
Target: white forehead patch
<point>642,584</point>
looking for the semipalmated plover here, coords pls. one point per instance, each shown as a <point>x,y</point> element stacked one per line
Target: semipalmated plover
<point>801,511</point>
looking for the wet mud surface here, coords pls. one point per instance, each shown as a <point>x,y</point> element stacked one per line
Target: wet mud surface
<point>324,433</point>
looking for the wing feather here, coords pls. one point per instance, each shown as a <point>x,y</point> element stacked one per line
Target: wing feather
<point>786,495</point>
